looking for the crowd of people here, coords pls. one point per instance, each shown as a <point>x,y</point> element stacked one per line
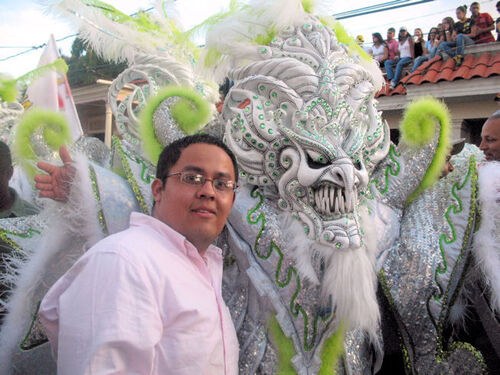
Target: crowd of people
<point>448,37</point>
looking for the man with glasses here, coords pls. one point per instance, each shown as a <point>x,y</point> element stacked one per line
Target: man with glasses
<point>148,300</point>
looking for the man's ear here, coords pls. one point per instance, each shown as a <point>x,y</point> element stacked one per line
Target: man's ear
<point>156,189</point>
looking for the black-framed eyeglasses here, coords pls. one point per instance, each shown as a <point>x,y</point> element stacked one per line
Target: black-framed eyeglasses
<point>196,179</point>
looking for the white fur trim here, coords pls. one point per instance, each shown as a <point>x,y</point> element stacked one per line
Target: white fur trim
<point>349,277</point>
<point>73,228</point>
<point>487,239</point>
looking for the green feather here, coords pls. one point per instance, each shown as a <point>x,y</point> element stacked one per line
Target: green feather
<point>284,346</point>
<point>234,7</point>
<point>212,57</point>
<point>8,89</point>
<point>141,21</point>
<point>308,5</point>
<point>418,128</point>
<point>58,65</point>
<point>55,130</point>
<point>345,38</point>
<point>341,33</point>
<point>332,351</point>
<point>9,86</point>
<point>265,39</point>
<point>190,113</point>
<point>328,21</point>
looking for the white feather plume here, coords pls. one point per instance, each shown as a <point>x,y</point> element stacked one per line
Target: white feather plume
<point>300,245</point>
<point>487,239</point>
<point>349,277</point>
<point>71,224</point>
<point>113,40</point>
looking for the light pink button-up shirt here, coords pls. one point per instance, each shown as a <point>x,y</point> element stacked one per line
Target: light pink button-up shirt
<point>142,301</point>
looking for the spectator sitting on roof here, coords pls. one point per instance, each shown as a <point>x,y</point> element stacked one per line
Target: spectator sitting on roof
<point>406,53</point>
<point>430,49</point>
<point>439,36</point>
<point>448,30</point>
<point>419,42</point>
<point>446,34</point>
<point>360,40</point>
<point>392,44</point>
<point>462,36</point>
<point>483,25</point>
<point>379,50</point>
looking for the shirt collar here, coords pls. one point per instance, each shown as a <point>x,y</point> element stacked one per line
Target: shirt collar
<point>180,241</point>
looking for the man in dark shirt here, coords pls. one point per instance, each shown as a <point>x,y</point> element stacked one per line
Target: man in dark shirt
<point>464,27</point>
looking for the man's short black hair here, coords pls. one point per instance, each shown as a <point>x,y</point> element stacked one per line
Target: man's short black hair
<point>392,29</point>
<point>5,158</point>
<point>474,3</point>
<point>171,154</point>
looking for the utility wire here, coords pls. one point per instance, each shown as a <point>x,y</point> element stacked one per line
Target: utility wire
<point>33,48</point>
<point>15,47</point>
<point>381,7</point>
<point>402,21</point>
<point>394,5</point>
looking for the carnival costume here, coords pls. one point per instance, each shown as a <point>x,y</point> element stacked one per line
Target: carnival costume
<point>326,201</point>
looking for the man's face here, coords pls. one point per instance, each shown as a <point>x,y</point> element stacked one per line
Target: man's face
<point>197,212</point>
<point>490,139</point>
<point>448,167</point>
<point>474,10</point>
<point>390,34</point>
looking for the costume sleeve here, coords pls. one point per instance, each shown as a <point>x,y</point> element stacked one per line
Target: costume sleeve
<point>108,320</point>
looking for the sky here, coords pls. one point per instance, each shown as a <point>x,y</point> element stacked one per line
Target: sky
<point>24,24</point>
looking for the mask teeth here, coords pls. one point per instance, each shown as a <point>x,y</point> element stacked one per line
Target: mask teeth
<point>333,200</point>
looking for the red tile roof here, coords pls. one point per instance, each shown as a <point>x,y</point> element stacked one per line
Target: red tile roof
<point>436,70</point>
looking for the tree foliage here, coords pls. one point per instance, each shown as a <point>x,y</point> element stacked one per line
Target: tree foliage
<point>85,66</point>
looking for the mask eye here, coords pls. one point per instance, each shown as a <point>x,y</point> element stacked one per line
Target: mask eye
<point>316,160</point>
